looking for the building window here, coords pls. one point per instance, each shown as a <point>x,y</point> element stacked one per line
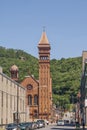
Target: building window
<point>10,101</point>
<point>14,74</point>
<point>6,120</point>
<point>29,100</point>
<point>14,104</point>
<point>29,87</point>
<point>6,81</point>
<point>35,100</point>
<point>2,99</point>
<point>1,120</point>
<point>10,83</point>
<point>7,100</point>
<point>44,57</point>
<point>2,77</point>
<point>23,105</point>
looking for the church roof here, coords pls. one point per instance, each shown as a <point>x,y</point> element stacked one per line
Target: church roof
<point>44,39</point>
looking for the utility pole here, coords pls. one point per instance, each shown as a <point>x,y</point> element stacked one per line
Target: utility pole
<point>17,106</point>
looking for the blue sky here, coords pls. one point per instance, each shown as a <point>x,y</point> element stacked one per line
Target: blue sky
<point>22,21</point>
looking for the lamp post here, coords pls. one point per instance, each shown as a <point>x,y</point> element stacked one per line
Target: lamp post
<point>17,105</point>
<point>78,105</point>
<point>45,112</point>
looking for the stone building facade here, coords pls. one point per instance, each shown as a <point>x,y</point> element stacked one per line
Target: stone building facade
<point>12,100</point>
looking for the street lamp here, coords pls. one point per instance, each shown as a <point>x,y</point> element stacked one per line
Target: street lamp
<point>16,114</point>
<point>17,105</point>
<point>45,112</point>
<point>17,101</point>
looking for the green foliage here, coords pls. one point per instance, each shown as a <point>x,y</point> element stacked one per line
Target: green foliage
<point>66,73</point>
<point>66,76</point>
<point>25,62</point>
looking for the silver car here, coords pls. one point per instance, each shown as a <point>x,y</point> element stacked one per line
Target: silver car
<point>60,122</point>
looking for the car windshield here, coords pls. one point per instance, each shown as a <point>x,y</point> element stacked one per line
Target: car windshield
<point>22,124</point>
<point>11,125</point>
<point>60,121</point>
<point>40,120</point>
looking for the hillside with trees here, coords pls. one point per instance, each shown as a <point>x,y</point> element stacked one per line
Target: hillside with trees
<point>66,73</point>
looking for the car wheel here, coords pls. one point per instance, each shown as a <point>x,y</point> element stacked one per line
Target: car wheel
<point>27,128</point>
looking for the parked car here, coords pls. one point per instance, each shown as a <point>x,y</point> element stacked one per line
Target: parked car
<point>12,126</point>
<point>31,125</point>
<point>60,122</point>
<point>38,125</point>
<point>66,122</point>
<point>41,123</point>
<point>24,126</point>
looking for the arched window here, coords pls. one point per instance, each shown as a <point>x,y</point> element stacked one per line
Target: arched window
<point>35,100</point>
<point>29,100</point>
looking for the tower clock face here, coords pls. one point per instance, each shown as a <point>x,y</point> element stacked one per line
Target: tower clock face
<point>29,87</point>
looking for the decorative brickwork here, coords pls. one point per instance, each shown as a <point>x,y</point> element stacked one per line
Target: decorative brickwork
<point>39,93</point>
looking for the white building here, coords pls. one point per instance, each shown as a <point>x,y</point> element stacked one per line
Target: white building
<point>12,100</point>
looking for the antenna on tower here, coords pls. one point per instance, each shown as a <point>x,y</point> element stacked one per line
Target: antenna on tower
<point>44,28</point>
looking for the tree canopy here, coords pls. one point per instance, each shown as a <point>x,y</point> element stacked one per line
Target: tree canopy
<point>66,73</point>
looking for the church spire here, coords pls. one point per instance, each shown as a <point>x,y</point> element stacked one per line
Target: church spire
<point>44,39</point>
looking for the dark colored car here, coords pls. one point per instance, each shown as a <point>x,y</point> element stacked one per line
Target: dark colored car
<point>24,126</point>
<point>30,125</point>
<point>12,126</point>
<point>39,124</point>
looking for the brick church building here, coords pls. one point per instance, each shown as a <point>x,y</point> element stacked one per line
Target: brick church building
<point>39,92</point>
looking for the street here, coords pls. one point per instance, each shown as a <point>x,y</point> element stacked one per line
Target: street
<point>55,127</point>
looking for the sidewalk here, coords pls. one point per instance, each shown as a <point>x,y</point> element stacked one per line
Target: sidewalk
<point>81,128</point>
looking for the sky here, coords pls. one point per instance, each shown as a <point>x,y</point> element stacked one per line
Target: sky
<point>65,22</point>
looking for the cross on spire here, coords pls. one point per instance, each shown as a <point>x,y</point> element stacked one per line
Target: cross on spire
<point>44,28</point>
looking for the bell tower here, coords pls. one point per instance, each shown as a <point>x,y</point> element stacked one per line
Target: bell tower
<point>14,72</point>
<point>45,85</point>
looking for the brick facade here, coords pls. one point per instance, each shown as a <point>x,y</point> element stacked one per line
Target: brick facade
<point>39,93</point>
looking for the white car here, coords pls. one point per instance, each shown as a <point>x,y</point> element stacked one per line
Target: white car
<point>60,122</point>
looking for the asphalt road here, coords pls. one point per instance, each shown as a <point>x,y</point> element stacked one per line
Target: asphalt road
<point>55,127</point>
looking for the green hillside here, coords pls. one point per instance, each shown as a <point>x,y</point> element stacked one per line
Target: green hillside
<point>66,73</point>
